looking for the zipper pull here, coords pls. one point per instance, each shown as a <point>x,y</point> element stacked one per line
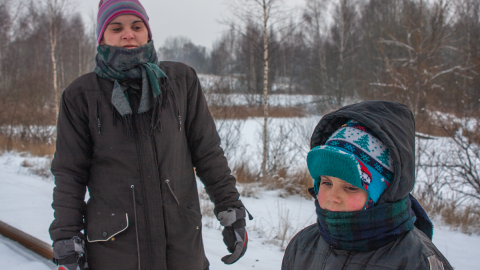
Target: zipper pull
<point>179,122</point>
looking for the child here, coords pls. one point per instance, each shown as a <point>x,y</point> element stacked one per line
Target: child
<point>362,160</point>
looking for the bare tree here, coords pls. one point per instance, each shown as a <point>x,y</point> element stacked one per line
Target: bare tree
<point>416,69</point>
<point>260,12</point>
<point>464,160</point>
<point>26,95</point>
<point>266,6</point>
<point>55,9</point>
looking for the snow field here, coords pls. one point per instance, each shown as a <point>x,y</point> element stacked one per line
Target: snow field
<point>13,256</point>
<point>25,202</point>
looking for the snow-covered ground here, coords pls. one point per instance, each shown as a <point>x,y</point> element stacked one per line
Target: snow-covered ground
<point>25,202</point>
<point>14,256</point>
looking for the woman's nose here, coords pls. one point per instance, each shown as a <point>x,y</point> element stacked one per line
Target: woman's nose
<point>128,34</point>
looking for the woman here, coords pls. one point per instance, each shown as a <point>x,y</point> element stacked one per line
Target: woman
<point>132,132</point>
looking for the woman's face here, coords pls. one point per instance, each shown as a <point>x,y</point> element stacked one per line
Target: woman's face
<point>126,31</point>
<point>336,195</point>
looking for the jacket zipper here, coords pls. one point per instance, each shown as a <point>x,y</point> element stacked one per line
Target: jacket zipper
<point>171,191</point>
<point>350,255</point>
<point>136,225</point>
<point>99,123</point>
<point>330,250</point>
<point>178,111</point>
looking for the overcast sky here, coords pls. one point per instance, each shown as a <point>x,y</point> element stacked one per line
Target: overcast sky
<point>195,19</point>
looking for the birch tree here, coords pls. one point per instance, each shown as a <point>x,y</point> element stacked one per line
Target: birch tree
<point>259,12</point>
<point>55,10</point>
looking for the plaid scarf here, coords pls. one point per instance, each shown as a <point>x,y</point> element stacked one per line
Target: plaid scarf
<point>124,67</point>
<point>368,229</point>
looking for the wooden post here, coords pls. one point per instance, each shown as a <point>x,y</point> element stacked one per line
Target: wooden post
<point>36,245</point>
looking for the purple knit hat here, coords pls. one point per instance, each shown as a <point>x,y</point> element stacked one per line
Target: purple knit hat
<point>110,9</point>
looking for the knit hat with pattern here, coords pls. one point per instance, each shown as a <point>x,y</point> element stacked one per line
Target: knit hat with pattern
<point>110,9</point>
<point>356,155</point>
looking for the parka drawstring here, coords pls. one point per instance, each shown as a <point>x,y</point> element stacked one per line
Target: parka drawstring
<point>136,225</point>
<point>250,217</point>
<point>171,191</point>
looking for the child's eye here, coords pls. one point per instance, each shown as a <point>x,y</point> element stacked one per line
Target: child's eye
<point>325,182</point>
<point>352,189</point>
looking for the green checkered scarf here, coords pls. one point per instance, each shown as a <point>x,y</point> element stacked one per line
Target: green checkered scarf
<point>125,67</point>
<point>368,229</point>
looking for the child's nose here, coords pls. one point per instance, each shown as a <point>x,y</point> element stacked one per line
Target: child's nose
<point>334,197</point>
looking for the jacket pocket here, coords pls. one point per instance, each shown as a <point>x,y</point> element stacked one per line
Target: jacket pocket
<point>184,238</point>
<point>103,224</point>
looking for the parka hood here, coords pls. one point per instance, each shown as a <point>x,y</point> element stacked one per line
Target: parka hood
<point>394,124</point>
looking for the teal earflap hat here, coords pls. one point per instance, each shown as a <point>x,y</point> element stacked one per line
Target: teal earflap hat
<point>356,155</point>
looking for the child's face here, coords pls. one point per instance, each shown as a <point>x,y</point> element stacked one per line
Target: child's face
<point>336,195</point>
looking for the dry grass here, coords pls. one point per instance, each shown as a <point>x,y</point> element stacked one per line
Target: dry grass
<point>290,183</point>
<point>296,183</point>
<point>247,179</point>
<point>244,112</point>
<point>39,149</point>
<point>465,218</point>
<point>206,209</point>
<point>244,174</point>
<point>299,184</point>
<point>41,168</point>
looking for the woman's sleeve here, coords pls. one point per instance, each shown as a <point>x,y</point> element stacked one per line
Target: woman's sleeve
<point>207,155</point>
<point>70,167</point>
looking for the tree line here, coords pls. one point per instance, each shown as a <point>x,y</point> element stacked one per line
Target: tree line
<point>29,32</point>
<point>425,54</point>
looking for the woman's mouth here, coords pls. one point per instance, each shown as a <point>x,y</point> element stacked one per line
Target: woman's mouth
<point>129,46</point>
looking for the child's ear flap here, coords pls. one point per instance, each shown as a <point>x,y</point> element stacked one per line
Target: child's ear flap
<point>312,192</point>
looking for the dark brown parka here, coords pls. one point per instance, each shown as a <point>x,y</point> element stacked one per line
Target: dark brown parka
<point>95,151</point>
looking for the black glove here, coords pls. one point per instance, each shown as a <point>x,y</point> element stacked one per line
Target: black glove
<point>70,254</point>
<point>234,233</point>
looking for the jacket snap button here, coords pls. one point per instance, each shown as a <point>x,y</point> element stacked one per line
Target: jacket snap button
<point>104,234</point>
<point>113,238</point>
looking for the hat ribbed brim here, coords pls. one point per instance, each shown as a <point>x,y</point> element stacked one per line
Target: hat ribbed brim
<point>331,161</point>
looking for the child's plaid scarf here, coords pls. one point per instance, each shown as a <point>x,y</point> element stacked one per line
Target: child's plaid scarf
<point>367,229</point>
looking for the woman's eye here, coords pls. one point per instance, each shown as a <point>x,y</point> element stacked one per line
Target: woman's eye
<point>326,183</point>
<point>137,26</point>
